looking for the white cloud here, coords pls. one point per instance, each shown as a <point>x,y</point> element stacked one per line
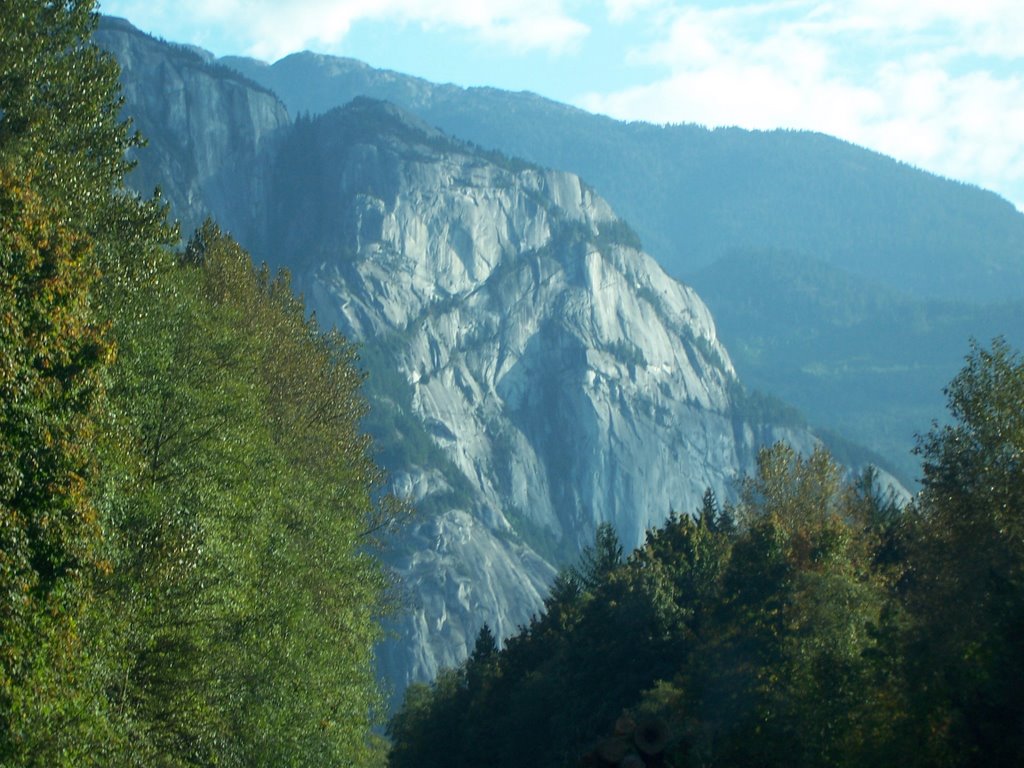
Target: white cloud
<point>269,28</point>
<point>919,79</point>
<point>624,10</point>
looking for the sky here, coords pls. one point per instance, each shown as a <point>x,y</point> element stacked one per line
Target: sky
<point>938,84</point>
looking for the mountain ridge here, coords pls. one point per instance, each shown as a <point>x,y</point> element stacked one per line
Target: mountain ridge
<point>706,193</point>
<point>702,199</point>
<point>565,379</point>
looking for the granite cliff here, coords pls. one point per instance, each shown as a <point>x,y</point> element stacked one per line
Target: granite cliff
<point>532,372</point>
<point>562,379</point>
<point>209,130</point>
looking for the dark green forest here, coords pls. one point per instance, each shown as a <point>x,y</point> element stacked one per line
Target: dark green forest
<point>813,622</point>
<point>188,509</point>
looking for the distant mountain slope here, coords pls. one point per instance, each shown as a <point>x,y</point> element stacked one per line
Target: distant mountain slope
<point>864,361</point>
<point>915,264</point>
<point>696,195</point>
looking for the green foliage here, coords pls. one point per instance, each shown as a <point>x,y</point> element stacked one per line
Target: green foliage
<point>598,560</point>
<point>811,623</point>
<point>485,646</point>
<point>859,359</point>
<point>63,210</point>
<point>246,597</point>
<point>753,407</point>
<point>965,587</point>
<point>188,506</point>
<point>750,628</point>
<point>543,697</point>
<point>618,232</point>
<point>802,599</point>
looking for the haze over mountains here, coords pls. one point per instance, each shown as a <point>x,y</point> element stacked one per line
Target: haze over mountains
<point>717,206</point>
<point>533,372</point>
<point>695,195</point>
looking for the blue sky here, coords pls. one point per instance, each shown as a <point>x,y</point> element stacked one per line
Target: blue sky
<point>935,83</point>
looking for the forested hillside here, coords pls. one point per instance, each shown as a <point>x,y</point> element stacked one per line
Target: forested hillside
<point>812,623</point>
<point>187,506</point>
<point>861,360</point>
<point>191,517</point>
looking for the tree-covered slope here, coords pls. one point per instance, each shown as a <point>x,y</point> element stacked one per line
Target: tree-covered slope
<point>860,359</point>
<point>188,506</point>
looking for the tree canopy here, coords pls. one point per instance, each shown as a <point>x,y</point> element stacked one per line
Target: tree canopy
<point>811,623</point>
<point>188,508</point>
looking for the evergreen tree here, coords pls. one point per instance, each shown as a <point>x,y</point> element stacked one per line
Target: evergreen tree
<point>485,646</point>
<point>598,559</point>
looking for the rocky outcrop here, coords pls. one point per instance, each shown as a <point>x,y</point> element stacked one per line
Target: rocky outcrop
<point>532,373</point>
<point>561,376</point>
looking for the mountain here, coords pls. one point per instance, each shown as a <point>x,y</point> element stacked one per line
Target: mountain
<point>532,373</point>
<point>560,377</point>
<point>209,130</point>
<point>697,195</point>
<point>785,233</point>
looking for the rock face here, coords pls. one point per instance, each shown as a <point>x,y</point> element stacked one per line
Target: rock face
<point>209,130</point>
<point>532,373</point>
<point>729,211</point>
<point>563,379</point>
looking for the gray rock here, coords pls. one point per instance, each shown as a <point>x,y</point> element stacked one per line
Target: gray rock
<point>564,377</point>
<point>209,130</point>
<point>533,374</point>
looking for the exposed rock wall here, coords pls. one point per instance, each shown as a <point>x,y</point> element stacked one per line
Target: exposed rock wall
<point>565,378</point>
<point>209,131</point>
<point>532,373</point>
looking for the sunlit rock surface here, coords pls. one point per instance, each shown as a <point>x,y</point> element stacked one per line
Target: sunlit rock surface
<point>564,378</point>
<point>532,372</point>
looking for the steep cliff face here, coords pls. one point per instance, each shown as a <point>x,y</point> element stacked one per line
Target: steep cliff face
<point>729,210</point>
<point>561,378</point>
<point>209,130</point>
<point>532,373</point>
